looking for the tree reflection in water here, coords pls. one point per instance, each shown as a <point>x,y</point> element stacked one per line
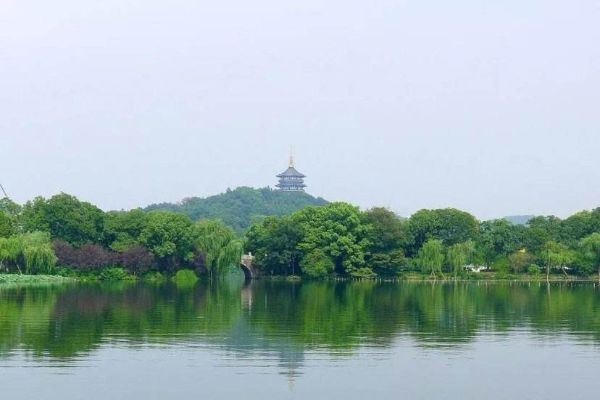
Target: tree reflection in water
<point>287,319</point>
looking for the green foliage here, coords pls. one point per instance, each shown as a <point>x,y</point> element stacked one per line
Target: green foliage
<point>534,269</point>
<point>317,264</point>
<point>520,260</point>
<point>338,231</point>
<point>388,264</point>
<point>431,256</point>
<point>30,252</point>
<point>38,253</point>
<point>274,243</point>
<point>556,256</point>
<point>168,235</point>
<point>242,207</point>
<point>359,244</point>
<point>154,277</point>
<point>185,278</point>
<point>7,225</point>
<point>449,225</point>
<point>459,255</point>
<point>591,250</point>
<point>218,244</point>
<point>388,232</point>
<point>115,274</point>
<point>65,218</point>
<point>501,266</point>
<point>122,229</point>
<point>498,238</point>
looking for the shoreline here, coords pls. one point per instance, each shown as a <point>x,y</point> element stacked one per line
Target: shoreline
<point>24,279</point>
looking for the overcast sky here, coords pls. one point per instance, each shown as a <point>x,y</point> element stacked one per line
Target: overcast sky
<point>489,106</point>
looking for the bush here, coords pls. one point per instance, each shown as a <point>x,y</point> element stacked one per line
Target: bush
<point>114,274</point>
<point>534,269</point>
<point>363,273</point>
<point>185,277</point>
<point>155,277</point>
<point>317,264</point>
<point>501,266</point>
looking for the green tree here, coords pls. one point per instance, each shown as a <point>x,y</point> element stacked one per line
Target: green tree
<point>520,260</point>
<point>9,217</point>
<point>459,255</point>
<point>591,250</point>
<point>38,254</point>
<point>431,256</point>
<point>388,232</point>
<point>336,229</point>
<point>218,244</point>
<point>10,250</point>
<point>170,237</point>
<point>498,238</point>
<point>388,238</point>
<point>122,229</point>
<point>317,264</point>
<point>65,218</point>
<point>33,251</point>
<point>274,243</point>
<point>449,225</point>
<point>541,230</point>
<point>7,225</point>
<point>556,256</point>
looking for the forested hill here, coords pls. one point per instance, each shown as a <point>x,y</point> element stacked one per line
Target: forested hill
<point>242,207</point>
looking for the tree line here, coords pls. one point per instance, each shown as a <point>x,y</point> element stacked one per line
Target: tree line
<point>342,240</point>
<point>336,239</point>
<point>47,234</point>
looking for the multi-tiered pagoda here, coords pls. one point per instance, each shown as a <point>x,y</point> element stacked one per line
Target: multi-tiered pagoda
<point>291,180</point>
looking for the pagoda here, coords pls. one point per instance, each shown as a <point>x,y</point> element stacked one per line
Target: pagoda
<point>291,180</point>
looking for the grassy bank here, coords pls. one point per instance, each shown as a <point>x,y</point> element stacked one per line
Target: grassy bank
<point>18,279</point>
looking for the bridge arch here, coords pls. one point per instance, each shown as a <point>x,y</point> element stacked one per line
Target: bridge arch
<point>247,268</point>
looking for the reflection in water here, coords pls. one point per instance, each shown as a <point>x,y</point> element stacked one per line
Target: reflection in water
<point>300,340</point>
<point>287,319</point>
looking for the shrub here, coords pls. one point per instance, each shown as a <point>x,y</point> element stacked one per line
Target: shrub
<point>534,269</point>
<point>363,273</point>
<point>114,274</point>
<point>185,277</point>
<point>155,277</point>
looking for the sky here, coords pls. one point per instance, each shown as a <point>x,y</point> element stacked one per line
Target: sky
<point>487,106</point>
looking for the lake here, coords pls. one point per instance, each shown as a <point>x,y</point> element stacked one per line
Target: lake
<point>314,340</point>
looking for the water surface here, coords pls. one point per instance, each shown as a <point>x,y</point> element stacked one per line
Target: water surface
<point>279,340</point>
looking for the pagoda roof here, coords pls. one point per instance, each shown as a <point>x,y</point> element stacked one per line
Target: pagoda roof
<point>291,171</point>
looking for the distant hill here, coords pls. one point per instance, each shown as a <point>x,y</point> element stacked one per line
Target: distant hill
<point>242,207</point>
<point>519,219</point>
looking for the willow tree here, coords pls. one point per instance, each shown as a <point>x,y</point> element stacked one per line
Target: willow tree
<point>431,256</point>
<point>460,255</point>
<point>10,250</point>
<point>38,253</point>
<point>591,249</point>
<point>218,244</point>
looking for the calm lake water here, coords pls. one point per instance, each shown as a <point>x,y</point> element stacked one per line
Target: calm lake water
<point>270,340</point>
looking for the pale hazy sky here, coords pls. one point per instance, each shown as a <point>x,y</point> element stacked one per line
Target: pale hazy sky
<point>488,106</point>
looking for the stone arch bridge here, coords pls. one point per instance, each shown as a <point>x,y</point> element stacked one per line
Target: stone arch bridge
<point>247,268</point>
